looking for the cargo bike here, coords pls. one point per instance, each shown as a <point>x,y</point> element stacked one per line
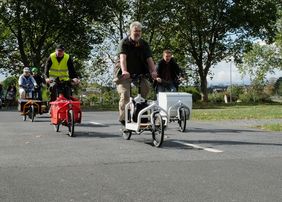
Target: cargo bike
<point>65,110</point>
<point>177,107</point>
<point>141,116</point>
<point>30,106</point>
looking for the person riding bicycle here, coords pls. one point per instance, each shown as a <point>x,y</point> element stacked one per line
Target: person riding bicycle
<point>26,83</point>
<point>134,58</point>
<point>168,73</point>
<point>39,80</point>
<point>59,65</point>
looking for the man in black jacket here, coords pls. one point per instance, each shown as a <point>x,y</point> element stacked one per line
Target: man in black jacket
<point>168,73</point>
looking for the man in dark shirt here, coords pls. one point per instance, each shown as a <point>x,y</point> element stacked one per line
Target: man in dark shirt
<point>135,58</point>
<point>39,80</point>
<point>59,65</point>
<point>168,73</point>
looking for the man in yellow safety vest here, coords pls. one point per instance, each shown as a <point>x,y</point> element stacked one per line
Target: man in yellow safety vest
<point>59,65</point>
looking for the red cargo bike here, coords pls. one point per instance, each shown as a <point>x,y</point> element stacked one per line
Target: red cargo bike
<point>65,110</point>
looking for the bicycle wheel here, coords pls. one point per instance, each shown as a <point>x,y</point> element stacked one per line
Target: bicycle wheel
<point>158,130</point>
<point>126,134</point>
<point>31,113</point>
<point>182,120</point>
<point>71,123</point>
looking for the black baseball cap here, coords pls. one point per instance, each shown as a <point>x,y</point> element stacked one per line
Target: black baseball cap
<point>60,47</point>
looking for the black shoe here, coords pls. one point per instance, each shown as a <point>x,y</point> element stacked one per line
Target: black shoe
<point>122,122</point>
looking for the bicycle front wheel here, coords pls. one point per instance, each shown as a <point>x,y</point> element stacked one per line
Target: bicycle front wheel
<point>158,130</point>
<point>71,123</point>
<point>31,113</point>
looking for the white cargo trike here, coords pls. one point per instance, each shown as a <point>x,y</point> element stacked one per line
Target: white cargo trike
<point>177,107</point>
<point>141,116</point>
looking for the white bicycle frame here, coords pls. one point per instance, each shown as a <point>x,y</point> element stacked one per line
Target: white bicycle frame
<point>136,126</point>
<point>177,106</point>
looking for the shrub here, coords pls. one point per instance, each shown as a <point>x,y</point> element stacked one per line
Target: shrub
<point>217,97</point>
<point>196,96</point>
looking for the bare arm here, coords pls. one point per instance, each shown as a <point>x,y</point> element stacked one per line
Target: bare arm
<point>123,65</point>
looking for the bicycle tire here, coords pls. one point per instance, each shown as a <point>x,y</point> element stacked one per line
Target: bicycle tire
<point>182,120</point>
<point>158,130</point>
<point>71,123</point>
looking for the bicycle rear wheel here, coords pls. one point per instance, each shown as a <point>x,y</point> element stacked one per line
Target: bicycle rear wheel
<point>158,130</point>
<point>182,120</point>
<point>71,123</point>
<point>31,113</point>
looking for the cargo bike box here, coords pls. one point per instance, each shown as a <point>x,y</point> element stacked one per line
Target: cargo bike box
<point>59,110</point>
<point>24,104</point>
<point>177,106</point>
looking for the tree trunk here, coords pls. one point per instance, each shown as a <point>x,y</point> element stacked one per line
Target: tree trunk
<point>204,88</point>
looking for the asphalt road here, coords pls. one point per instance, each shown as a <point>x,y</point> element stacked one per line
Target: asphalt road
<point>211,161</point>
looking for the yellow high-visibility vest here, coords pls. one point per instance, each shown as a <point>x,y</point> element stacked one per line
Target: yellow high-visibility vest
<point>59,69</point>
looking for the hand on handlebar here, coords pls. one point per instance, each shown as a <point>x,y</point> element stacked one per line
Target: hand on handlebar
<point>76,81</point>
<point>154,75</point>
<point>158,79</point>
<point>49,80</point>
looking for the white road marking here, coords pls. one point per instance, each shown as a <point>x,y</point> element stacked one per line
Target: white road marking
<point>198,147</point>
<point>96,123</point>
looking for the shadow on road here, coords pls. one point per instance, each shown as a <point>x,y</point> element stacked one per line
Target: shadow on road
<point>96,135</point>
<point>92,125</point>
<point>171,144</point>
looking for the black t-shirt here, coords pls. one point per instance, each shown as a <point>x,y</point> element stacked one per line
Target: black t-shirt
<point>137,54</point>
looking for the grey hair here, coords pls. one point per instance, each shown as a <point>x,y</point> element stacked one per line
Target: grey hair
<point>135,24</point>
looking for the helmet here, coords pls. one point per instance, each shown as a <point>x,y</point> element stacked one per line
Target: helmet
<point>34,69</point>
<point>26,69</point>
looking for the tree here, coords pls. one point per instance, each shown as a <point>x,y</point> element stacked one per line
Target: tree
<point>33,27</point>
<point>104,56</point>
<point>205,32</point>
<point>263,58</point>
<point>260,60</point>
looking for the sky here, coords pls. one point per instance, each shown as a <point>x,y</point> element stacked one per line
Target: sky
<point>222,75</point>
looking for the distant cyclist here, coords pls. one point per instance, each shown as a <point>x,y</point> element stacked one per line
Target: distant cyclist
<point>26,83</point>
<point>39,80</point>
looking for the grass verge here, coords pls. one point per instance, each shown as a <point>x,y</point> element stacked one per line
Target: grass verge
<point>239,112</point>
<point>271,127</point>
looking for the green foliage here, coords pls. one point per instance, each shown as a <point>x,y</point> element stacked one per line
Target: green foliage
<point>235,91</point>
<point>206,31</point>
<point>278,86</point>
<point>217,97</point>
<point>33,27</point>
<point>255,94</point>
<point>260,60</point>
<point>196,96</point>
<point>12,80</point>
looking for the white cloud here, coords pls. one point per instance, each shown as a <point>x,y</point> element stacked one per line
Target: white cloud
<point>222,75</point>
